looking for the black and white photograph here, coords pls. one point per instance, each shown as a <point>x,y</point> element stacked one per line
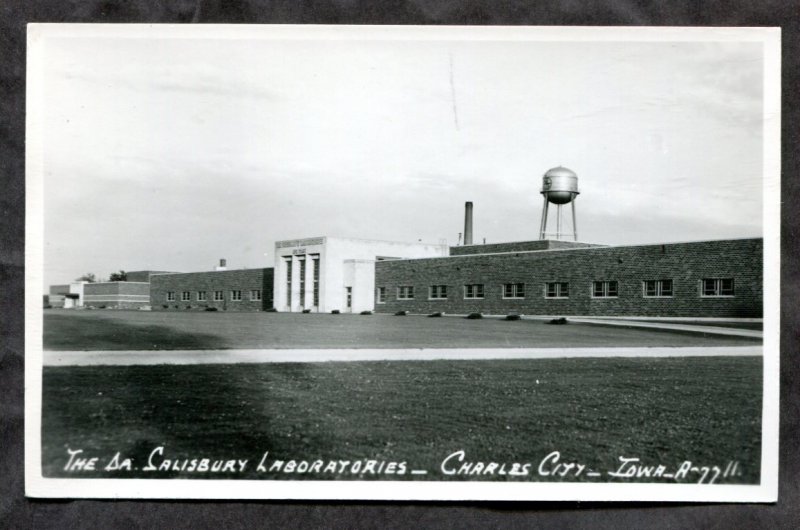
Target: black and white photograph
<point>402,263</point>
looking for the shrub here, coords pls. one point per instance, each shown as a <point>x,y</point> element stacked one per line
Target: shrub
<point>473,316</point>
<point>272,310</point>
<point>188,307</point>
<point>401,313</point>
<point>366,312</point>
<point>211,309</point>
<point>102,307</point>
<point>436,314</point>
<point>165,306</point>
<point>306,310</point>
<point>558,321</point>
<point>335,312</point>
<point>513,316</point>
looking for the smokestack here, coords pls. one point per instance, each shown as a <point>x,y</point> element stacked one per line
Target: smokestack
<point>468,223</point>
<point>222,265</point>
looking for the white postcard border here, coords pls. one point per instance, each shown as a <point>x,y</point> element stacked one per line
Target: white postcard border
<point>39,486</point>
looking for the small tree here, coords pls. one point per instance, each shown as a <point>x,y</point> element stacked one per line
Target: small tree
<point>88,277</point>
<point>120,276</point>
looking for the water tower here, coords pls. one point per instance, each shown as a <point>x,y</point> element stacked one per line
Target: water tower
<point>559,187</point>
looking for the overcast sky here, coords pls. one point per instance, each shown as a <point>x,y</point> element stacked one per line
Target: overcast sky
<point>169,154</point>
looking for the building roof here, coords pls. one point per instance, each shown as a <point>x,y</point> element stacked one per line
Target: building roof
<point>577,248</point>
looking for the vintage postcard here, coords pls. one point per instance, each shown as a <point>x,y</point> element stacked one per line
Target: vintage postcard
<point>412,263</point>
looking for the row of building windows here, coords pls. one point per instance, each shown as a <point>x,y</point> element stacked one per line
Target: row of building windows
<point>709,287</point>
<point>219,296</point>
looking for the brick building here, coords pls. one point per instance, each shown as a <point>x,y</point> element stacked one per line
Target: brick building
<point>720,279</point>
<point>66,296</point>
<point>133,293</point>
<point>225,290</point>
<point>116,295</point>
<point>698,279</point>
<point>57,295</point>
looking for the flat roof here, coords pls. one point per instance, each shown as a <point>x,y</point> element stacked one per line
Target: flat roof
<point>520,242</point>
<point>586,248</point>
<point>213,271</point>
<point>366,240</point>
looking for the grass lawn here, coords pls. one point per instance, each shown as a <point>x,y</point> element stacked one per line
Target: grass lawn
<point>663,410</point>
<point>145,330</point>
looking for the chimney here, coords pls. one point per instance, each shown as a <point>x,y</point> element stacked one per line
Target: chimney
<point>222,265</point>
<point>468,223</point>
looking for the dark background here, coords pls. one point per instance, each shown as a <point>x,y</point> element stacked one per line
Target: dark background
<point>18,512</point>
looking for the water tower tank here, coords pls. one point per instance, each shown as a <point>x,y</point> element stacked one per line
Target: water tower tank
<point>560,185</point>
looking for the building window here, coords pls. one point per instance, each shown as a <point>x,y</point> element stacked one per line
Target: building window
<point>315,272</point>
<point>438,292</point>
<point>513,290</point>
<point>170,296</point>
<point>556,290</point>
<point>218,297</point>
<point>608,289</point>
<point>381,295</point>
<point>473,291</point>
<point>406,292</point>
<point>201,296</point>
<point>657,288</point>
<point>186,296</point>
<point>255,295</point>
<point>236,296</point>
<point>717,287</point>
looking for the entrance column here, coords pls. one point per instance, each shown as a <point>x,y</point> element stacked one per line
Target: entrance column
<point>308,294</point>
<point>283,289</point>
<point>315,277</point>
<point>295,285</point>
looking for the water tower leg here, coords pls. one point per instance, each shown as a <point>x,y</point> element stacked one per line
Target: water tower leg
<point>543,225</point>
<point>558,222</point>
<point>574,226</point>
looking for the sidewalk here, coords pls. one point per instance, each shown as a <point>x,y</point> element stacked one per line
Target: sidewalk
<point>125,358</point>
<point>709,330</point>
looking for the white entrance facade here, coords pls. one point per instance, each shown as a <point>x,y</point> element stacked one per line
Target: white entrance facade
<point>323,274</point>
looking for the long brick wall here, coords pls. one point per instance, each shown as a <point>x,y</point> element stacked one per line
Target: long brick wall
<point>116,295</point>
<point>243,280</point>
<point>686,264</point>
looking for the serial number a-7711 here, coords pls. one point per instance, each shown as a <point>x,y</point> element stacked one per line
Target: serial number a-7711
<point>687,471</point>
